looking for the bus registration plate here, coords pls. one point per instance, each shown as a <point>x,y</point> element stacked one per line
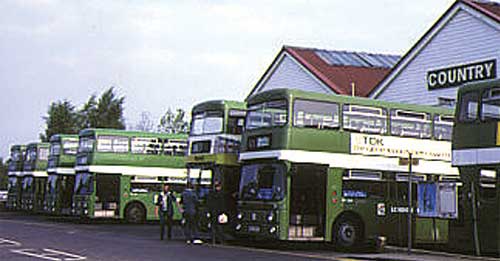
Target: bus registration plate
<point>253,229</point>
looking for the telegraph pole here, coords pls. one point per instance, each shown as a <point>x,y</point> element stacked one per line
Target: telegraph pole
<point>410,178</point>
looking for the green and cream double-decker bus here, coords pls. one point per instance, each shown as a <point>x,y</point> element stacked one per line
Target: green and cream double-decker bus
<point>214,144</point>
<point>61,180</point>
<point>34,176</point>
<point>476,153</point>
<point>331,168</point>
<point>15,169</point>
<point>119,173</point>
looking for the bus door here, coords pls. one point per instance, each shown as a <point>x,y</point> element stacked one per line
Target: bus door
<point>488,215</point>
<point>230,185</point>
<point>308,202</point>
<point>398,209</point>
<point>107,195</point>
<point>40,190</point>
<point>66,183</point>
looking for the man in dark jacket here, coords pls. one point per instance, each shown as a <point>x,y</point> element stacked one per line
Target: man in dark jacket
<point>217,205</point>
<point>165,208</point>
<point>189,203</point>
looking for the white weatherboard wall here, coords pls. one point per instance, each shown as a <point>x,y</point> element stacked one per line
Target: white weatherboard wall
<point>464,39</point>
<point>288,73</point>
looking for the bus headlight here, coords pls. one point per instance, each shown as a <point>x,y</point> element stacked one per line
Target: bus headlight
<point>272,230</point>
<point>238,227</point>
<point>239,216</point>
<point>270,217</point>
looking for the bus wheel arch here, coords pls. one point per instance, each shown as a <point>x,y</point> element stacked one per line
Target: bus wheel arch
<point>348,231</point>
<point>135,212</point>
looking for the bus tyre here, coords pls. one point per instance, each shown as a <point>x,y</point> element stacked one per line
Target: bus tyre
<point>348,233</point>
<point>135,214</point>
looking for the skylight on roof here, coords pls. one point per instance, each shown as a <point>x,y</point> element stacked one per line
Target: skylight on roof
<point>341,58</point>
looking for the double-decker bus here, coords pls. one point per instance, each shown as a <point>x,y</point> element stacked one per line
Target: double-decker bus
<point>214,144</point>
<point>119,173</point>
<point>34,176</point>
<point>476,153</point>
<point>15,169</point>
<point>331,168</point>
<point>61,180</point>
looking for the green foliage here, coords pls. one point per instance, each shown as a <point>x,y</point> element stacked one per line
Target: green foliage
<point>172,122</point>
<point>61,118</point>
<point>105,112</point>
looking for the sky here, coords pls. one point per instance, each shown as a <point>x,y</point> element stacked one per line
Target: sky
<point>163,54</point>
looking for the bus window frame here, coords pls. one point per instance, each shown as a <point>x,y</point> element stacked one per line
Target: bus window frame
<point>112,144</point>
<point>383,114</point>
<point>465,118</point>
<point>264,105</point>
<point>182,146</point>
<point>336,119</point>
<point>440,120</point>
<point>482,104</point>
<point>215,114</point>
<point>235,115</point>
<point>68,150</point>
<point>426,120</point>
<point>146,143</point>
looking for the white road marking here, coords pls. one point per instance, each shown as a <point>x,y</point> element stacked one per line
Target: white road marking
<point>8,242</point>
<point>72,257</point>
<point>28,252</point>
<point>49,254</point>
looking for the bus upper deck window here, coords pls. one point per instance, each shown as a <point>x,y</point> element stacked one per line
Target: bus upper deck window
<point>468,107</point>
<point>490,108</point>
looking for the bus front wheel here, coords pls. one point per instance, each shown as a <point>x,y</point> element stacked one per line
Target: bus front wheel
<point>348,232</point>
<point>135,213</point>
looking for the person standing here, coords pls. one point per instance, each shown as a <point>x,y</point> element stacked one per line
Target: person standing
<point>165,208</point>
<point>189,201</point>
<point>217,205</point>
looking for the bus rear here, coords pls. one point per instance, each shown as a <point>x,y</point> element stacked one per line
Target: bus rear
<point>214,144</point>
<point>34,177</point>
<point>15,168</point>
<point>61,174</point>
<point>476,152</point>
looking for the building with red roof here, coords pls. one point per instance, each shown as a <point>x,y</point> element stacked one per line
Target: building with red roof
<point>325,71</point>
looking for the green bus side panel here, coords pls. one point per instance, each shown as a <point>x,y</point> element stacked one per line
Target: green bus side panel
<point>430,231</point>
<point>284,209</point>
<point>319,140</point>
<point>118,159</point>
<point>146,199</point>
<point>333,200</point>
<point>66,161</point>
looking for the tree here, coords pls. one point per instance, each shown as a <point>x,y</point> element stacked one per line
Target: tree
<point>145,123</point>
<point>61,118</point>
<point>172,122</point>
<point>87,116</point>
<point>106,112</point>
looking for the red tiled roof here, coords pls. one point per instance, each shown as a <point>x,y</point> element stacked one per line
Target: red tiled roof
<point>492,9</point>
<point>339,78</point>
